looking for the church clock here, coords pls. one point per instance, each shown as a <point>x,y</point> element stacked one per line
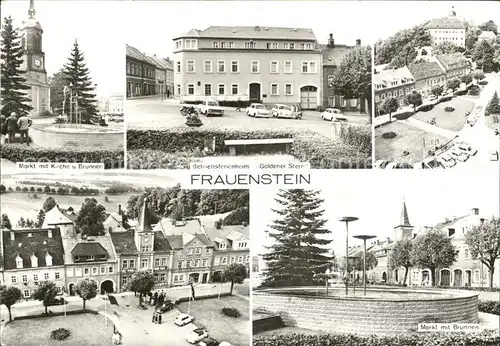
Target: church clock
<point>38,62</point>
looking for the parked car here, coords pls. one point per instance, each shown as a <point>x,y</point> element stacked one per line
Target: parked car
<point>380,164</point>
<point>473,121</point>
<point>432,163</point>
<point>447,161</point>
<point>286,111</point>
<point>332,114</point>
<point>166,306</point>
<point>397,165</point>
<point>183,319</point>
<point>494,155</point>
<point>58,301</point>
<point>459,155</point>
<point>208,342</point>
<point>225,343</point>
<point>258,110</point>
<point>418,165</point>
<point>197,335</point>
<point>467,149</point>
<point>210,108</point>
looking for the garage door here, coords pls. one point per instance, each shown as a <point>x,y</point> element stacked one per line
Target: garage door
<point>308,97</point>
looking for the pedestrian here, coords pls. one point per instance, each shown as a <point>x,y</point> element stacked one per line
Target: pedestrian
<point>11,123</point>
<point>24,123</point>
<point>156,297</point>
<point>168,93</point>
<point>159,319</point>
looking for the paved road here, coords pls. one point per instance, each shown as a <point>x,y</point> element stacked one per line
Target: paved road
<point>152,113</point>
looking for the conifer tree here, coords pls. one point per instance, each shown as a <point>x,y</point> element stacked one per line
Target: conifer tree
<point>13,84</point>
<point>77,77</point>
<point>299,248</point>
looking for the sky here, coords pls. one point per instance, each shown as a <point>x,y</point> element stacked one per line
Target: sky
<point>346,20</point>
<point>376,198</point>
<point>96,25</point>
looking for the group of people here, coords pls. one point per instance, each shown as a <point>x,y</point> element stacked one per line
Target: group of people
<point>156,298</point>
<point>13,124</point>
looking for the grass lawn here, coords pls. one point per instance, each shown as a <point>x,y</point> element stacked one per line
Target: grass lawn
<point>490,121</point>
<point>207,313</point>
<point>407,138</point>
<point>86,329</point>
<point>453,121</point>
<point>289,330</point>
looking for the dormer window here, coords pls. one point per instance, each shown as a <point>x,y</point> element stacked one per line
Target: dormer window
<point>77,258</point>
<point>19,262</point>
<point>34,261</point>
<point>48,259</point>
<point>30,235</point>
<point>451,231</point>
<point>90,257</point>
<point>222,246</point>
<point>102,257</point>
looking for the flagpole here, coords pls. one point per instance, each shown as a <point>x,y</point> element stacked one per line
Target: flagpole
<point>105,311</point>
<point>220,289</point>
<point>189,304</point>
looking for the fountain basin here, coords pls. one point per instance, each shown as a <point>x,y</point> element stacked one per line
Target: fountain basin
<point>382,311</point>
<point>76,136</point>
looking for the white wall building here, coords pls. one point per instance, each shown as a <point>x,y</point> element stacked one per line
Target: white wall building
<point>448,29</point>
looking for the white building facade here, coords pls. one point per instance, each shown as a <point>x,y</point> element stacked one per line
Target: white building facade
<point>447,29</point>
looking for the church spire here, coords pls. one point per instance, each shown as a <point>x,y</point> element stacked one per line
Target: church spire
<point>144,225</point>
<point>404,220</point>
<point>31,11</point>
<point>452,12</point>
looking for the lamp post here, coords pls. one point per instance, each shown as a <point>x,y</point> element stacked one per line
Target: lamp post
<point>347,219</point>
<point>364,237</point>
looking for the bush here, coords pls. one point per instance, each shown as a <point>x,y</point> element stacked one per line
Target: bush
<point>389,135</point>
<point>46,114</point>
<point>358,136</point>
<point>156,159</point>
<point>112,159</point>
<point>490,307</point>
<point>60,334</point>
<point>425,108</point>
<point>403,115</point>
<point>449,109</point>
<point>483,338</point>
<point>445,98</point>
<point>460,92</point>
<point>482,82</point>
<point>469,288</point>
<point>231,312</point>
<point>474,90</point>
<point>237,217</point>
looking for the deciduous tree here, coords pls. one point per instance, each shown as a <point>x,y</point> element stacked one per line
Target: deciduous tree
<point>91,217</point>
<point>466,79</point>
<point>49,203</point>
<point>453,84</point>
<point>40,218</point>
<point>299,248</point>
<point>235,274</point>
<point>484,56</point>
<point>437,90</point>
<point>86,289</point>
<point>414,99</point>
<point>9,295</point>
<point>447,47</point>
<point>142,282</point>
<point>484,244</point>
<point>432,250</point>
<point>400,256</point>
<point>46,292</point>
<point>57,83</point>
<point>6,222</point>
<point>489,26</point>
<point>390,105</point>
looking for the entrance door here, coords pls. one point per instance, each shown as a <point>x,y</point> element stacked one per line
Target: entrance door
<point>255,92</point>
<point>71,289</point>
<point>384,277</point>
<point>425,278</point>
<point>217,276</point>
<point>107,286</point>
<point>457,274</point>
<point>445,277</point>
<point>308,97</point>
<point>468,278</point>
<point>204,278</point>
<point>194,277</point>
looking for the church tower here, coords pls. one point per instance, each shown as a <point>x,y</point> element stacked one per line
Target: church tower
<point>34,63</point>
<point>404,230</point>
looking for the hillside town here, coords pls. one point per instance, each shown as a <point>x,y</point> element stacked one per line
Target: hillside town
<point>436,88</point>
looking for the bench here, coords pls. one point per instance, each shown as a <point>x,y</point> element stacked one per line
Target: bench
<point>233,143</point>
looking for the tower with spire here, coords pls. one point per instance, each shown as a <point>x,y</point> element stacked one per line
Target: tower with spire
<point>34,63</point>
<point>404,230</point>
<point>144,235</point>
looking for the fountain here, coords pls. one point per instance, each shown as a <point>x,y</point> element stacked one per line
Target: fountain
<point>69,132</point>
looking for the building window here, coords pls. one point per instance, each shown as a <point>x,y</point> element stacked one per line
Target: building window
<point>179,265</point>
<point>247,259</point>
<point>274,67</point>
<point>235,66</point>
<point>124,264</point>
<point>95,271</point>
<point>288,91</point>
<point>162,277</point>
<point>204,263</point>
<point>188,264</point>
<point>285,45</point>
<point>178,66</point>
<point>292,45</point>
<point>288,67</point>
<point>250,45</point>
<point>57,275</point>
<point>144,263</point>
<point>240,259</point>
<point>197,263</point>
<point>197,251</point>
<point>343,101</point>
<point>216,44</point>
<point>163,262</point>
<point>178,89</point>
<point>223,44</point>
<point>86,271</point>
<point>254,66</point>
<point>190,251</point>
<point>401,92</point>
<point>19,263</point>
<point>103,270</point>
<point>207,66</point>
<point>221,66</point>
<point>78,272</point>
<point>190,44</point>
<point>353,102</point>
<point>157,262</point>
<point>234,89</point>
<point>222,246</point>
<point>231,44</point>
<point>26,293</point>
<point>274,89</point>
<point>111,270</point>
<point>216,261</point>
<point>302,46</point>
<point>466,254</point>
<point>190,89</point>
<point>224,260</point>
<point>178,44</point>
<point>308,46</point>
<point>190,66</point>
<point>208,89</point>
<point>232,260</point>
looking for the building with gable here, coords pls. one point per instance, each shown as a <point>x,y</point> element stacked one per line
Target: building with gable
<point>393,83</point>
<point>487,36</point>
<point>64,219</point>
<point>30,256</point>
<point>141,73</point>
<point>455,65</point>
<point>253,64</point>
<point>332,57</point>
<point>114,221</point>
<point>426,76</point>
<point>127,257</point>
<point>447,29</point>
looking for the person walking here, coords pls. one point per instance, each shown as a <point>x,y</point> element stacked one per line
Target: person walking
<point>11,124</point>
<point>24,123</point>
<point>168,93</point>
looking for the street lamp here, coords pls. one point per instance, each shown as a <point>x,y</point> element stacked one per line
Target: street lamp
<point>347,219</point>
<point>364,237</point>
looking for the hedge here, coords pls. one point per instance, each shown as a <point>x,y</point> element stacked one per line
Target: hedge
<point>209,296</point>
<point>483,338</point>
<point>71,312</point>
<point>472,288</point>
<point>112,158</point>
<point>489,306</point>
<point>157,159</point>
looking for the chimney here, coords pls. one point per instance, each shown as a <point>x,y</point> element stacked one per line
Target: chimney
<point>12,236</point>
<point>331,41</point>
<point>49,233</point>
<point>358,42</point>
<point>475,211</point>
<point>119,209</point>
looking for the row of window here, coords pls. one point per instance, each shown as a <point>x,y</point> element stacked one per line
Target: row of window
<point>450,38</point>
<point>234,91</point>
<point>90,258</point>
<point>274,67</point>
<point>86,271</point>
<point>193,44</point>
<point>223,260</point>
<point>192,263</point>
<point>27,292</point>
<point>34,261</point>
<point>221,90</point>
<point>462,31</point>
<point>197,251</point>
<point>24,277</point>
<point>343,102</point>
<point>138,70</point>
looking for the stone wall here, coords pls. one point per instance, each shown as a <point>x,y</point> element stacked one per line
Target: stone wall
<point>101,140</point>
<point>366,316</point>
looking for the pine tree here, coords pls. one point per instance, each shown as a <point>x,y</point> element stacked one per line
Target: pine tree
<point>76,76</point>
<point>13,84</point>
<point>494,106</point>
<point>299,249</point>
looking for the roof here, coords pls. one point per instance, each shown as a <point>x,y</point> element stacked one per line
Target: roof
<point>160,63</point>
<point>179,241</point>
<point>124,242</point>
<point>135,53</point>
<point>144,223</point>
<point>104,240</point>
<point>252,32</point>
<point>425,70</point>
<point>32,81</point>
<point>169,63</point>
<point>386,76</point>
<point>187,226</point>
<point>231,233</point>
<point>403,219</point>
<point>88,248</point>
<point>487,35</point>
<point>175,241</point>
<point>333,55</point>
<point>116,217</point>
<point>161,242</point>
<point>450,59</point>
<point>153,62</point>
<point>38,244</point>
<point>450,22</point>
<point>56,217</point>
